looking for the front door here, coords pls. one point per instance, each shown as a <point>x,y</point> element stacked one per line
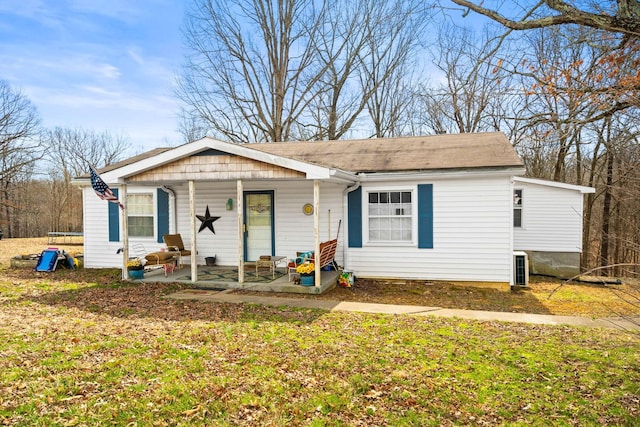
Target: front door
<point>259,221</point>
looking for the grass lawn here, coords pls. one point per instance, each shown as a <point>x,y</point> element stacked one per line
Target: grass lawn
<point>81,348</point>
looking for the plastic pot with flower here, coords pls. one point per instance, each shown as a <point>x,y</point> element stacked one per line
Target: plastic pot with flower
<point>135,268</point>
<point>307,273</point>
<point>134,264</point>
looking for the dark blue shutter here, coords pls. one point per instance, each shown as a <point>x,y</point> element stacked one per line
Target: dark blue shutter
<point>354,206</point>
<point>114,219</point>
<point>425,216</point>
<point>162,200</point>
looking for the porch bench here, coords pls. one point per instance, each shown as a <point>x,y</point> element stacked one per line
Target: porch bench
<point>327,256</point>
<point>168,261</point>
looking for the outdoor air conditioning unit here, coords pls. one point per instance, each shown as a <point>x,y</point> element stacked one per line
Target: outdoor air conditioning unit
<point>520,269</point>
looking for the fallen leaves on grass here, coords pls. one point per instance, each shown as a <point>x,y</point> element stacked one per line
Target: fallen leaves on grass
<point>572,299</point>
<point>86,353</point>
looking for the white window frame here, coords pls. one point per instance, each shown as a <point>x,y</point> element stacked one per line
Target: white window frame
<point>518,206</point>
<point>414,216</point>
<point>153,215</point>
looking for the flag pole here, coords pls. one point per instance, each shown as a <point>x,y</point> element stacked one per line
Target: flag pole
<point>103,191</point>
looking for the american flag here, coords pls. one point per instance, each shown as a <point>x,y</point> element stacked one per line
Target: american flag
<point>102,189</point>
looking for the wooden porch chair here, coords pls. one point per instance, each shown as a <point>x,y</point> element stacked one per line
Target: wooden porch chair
<point>175,244</point>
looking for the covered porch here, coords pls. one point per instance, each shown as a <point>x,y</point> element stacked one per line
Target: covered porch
<point>225,277</point>
<point>237,205</point>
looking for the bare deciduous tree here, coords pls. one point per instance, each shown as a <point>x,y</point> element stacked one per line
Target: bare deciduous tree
<point>252,66</point>
<point>70,152</point>
<point>19,149</point>
<point>393,35</point>
<point>367,51</point>
<point>191,126</point>
<point>270,70</point>
<point>475,93</point>
<point>555,58</point>
<point>615,27</point>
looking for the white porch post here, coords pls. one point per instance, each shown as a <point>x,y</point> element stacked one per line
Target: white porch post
<point>192,224</point>
<point>316,230</point>
<point>125,230</point>
<point>240,205</point>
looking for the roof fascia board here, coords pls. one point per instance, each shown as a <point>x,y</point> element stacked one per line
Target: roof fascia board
<point>120,174</point>
<point>555,184</point>
<point>438,174</point>
<point>185,150</point>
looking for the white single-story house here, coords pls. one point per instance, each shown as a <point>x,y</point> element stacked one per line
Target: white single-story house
<point>441,207</point>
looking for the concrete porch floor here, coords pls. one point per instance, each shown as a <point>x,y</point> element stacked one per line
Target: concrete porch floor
<point>329,280</point>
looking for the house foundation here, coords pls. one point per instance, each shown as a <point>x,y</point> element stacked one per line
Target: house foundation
<point>557,264</point>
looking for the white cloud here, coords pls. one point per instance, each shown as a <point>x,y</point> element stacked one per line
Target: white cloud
<point>135,55</point>
<point>109,71</point>
<point>99,64</point>
<point>122,10</point>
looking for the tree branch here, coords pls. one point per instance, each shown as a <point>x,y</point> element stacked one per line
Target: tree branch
<point>626,21</point>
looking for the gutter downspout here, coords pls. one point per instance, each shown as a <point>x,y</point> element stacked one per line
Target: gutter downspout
<point>172,206</point>
<point>345,202</point>
<point>511,233</point>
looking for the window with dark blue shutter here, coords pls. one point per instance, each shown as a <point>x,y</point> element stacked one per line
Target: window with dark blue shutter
<point>354,218</point>
<point>425,216</point>
<point>114,219</point>
<point>162,200</point>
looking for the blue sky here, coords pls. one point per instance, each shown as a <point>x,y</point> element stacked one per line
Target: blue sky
<point>97,64</point>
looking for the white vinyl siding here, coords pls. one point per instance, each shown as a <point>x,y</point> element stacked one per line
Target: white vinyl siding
<point>293,229</point>
<point>99,252</point>
<point>472,228</point>
<point>552,219</point>
<point>472,222</point>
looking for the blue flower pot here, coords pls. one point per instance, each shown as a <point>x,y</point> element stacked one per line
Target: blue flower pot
<point>136,274</point>
<point>307,280</point>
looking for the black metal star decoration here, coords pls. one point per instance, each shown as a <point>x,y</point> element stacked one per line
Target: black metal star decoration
<point>207,221</point>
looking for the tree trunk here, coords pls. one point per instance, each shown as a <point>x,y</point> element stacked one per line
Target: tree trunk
<point>606,213</point>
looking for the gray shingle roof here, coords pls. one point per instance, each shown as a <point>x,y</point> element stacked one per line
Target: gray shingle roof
<point>416,153</point>
<point>454,151</point>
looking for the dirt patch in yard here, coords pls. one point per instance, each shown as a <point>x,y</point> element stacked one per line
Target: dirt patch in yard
<point>10,248</point>
<point>543,296</point>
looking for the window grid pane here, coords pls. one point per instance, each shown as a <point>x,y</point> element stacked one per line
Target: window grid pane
<point>517,217</point>
<point>140,204</point>
<point>141,226</point>
<point>390,216</point>
<point>517,208</point>
<point>140,215</point>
